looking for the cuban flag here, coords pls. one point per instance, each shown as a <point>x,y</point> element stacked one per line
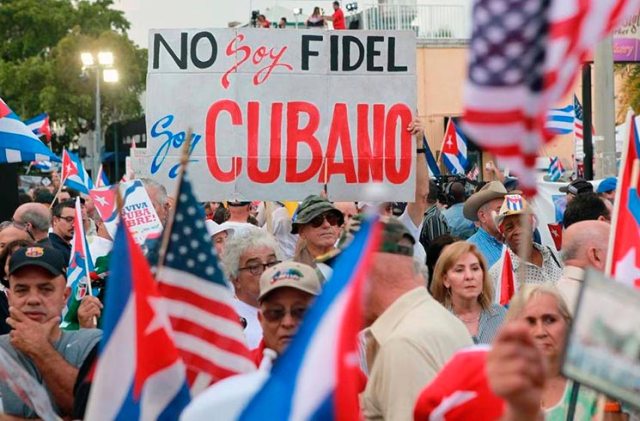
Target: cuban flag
<point>17,142</point>
<point>454,149</point>
<point>78,273</point>
<point>101,179</point>
<point>514,202</point>
<point>138,375</point>
<point>431,161</point>
<point>39,125</point>
<point>560,120</point>
<point>104,199</point>
<point>556,169</point>
<point>318,376</point>
<point>74,175</point>
<point>507,285</point>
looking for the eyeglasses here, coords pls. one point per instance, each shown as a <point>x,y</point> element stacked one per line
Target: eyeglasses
<point>69,219</point>
<point>277,314</point>
<point>257,268</point>
<point>331,218</point>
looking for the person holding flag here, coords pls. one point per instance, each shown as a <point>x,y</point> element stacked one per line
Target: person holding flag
<point>83,307</point>
<point>541,263</point>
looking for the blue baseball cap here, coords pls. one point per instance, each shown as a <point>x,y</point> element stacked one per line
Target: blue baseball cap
<point>607,185</point>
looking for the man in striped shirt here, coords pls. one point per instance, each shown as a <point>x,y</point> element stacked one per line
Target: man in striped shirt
<point>481,207</point>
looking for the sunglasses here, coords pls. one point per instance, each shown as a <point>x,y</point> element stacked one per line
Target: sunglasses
<point>277,314</point>
<point>69,219</point>
<point>331,218</point>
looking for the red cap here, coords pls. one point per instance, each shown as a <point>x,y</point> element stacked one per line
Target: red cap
<point>460,391</point>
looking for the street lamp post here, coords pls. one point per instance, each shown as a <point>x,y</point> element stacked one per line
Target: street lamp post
<point>103,67</point>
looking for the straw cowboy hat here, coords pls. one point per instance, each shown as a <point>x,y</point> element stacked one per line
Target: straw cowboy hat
<point>489,192</point>
<point>514,204</point>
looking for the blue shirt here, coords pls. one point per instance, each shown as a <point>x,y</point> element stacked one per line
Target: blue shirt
<point>459,225</point>
<point>490,248</point>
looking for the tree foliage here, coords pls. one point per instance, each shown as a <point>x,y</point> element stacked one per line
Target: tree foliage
<point>40,67</point>
<point>630,92</point>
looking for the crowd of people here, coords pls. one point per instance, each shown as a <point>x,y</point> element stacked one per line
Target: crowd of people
<point>434,289</point>
<point>317,19</point>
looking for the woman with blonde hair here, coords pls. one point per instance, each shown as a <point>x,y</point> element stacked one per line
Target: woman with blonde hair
<point>461,283</point>
<point>547,316</point>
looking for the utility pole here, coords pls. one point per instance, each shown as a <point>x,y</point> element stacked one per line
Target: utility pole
<point>605,109</point>
<point>586,122</point>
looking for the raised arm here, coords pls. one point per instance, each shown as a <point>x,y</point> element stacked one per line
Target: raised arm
<point>418,207</point>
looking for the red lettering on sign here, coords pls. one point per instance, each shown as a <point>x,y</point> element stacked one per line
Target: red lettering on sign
<point>339,136</point>
<point>272,57</point>
<point>370,161</point>
<point>398,175</point>
<point>275,143</point>
<point>233,109</point>
<point>240,59</point>
<point>306,135</point>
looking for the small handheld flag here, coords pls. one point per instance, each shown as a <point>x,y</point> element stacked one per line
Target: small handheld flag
<point>78,273</point>
<point>73,174</point>
<point>39,125</point>
<point>431,161</point>
<point>507,286</point>
<point>556,169</point>
<point>454,149</point>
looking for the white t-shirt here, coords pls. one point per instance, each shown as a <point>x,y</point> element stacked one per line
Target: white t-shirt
<point>281,222</point>
<point>253,331</point>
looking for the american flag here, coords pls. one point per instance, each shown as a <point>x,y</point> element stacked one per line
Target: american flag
<point>473,174</point>
<point>524,58</point>
<point>207,330</point>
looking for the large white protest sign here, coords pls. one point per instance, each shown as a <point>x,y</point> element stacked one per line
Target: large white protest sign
<point>26,387</point>
<point>137,212</point>
<point>278,114</point>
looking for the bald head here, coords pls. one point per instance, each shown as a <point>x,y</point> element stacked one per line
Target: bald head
<point>35,217</point>
<point>585,244</point>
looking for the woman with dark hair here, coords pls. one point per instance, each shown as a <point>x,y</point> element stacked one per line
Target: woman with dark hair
<point>315,20</point>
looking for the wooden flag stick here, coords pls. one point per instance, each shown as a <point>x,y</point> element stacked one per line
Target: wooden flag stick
<point>166,235</point>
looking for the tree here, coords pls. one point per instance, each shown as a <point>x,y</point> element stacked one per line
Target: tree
<point>630,92</point>
<point>40,67</point>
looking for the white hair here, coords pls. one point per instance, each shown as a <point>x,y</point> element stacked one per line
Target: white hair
<point>240,242</point>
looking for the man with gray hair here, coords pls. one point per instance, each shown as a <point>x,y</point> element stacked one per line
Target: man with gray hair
<point>158,195</point>
<point>35,218</point>
<point>584,244</point>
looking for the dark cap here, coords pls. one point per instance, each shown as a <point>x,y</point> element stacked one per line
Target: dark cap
<point>47,258</point>
<point>578,186</point>
<point>311,207</point>
<point>393,232</point>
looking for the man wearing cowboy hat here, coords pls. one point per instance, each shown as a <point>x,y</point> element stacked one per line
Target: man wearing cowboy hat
<point>541,264</point>
<point>480,208</point>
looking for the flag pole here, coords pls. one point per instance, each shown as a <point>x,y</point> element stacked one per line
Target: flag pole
<point>86,254</point>
<point>166,235</point>
<point>446,130</point>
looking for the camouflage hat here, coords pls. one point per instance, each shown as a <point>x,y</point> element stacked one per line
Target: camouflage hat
<point>311,207</point>
<point>393,233</point>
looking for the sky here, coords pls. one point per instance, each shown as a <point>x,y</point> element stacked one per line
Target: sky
<point>148,14</point>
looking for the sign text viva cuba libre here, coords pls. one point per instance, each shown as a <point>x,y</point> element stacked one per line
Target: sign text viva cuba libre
<point>283,112</point>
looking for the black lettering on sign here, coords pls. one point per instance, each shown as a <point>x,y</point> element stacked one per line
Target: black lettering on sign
<point>372,53</point>
<point>334,53</point>
<point>347,41</point>
<point>181,61</point>
<point>306,52</point>
<point>391,57</point>
<point>203,64</point>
